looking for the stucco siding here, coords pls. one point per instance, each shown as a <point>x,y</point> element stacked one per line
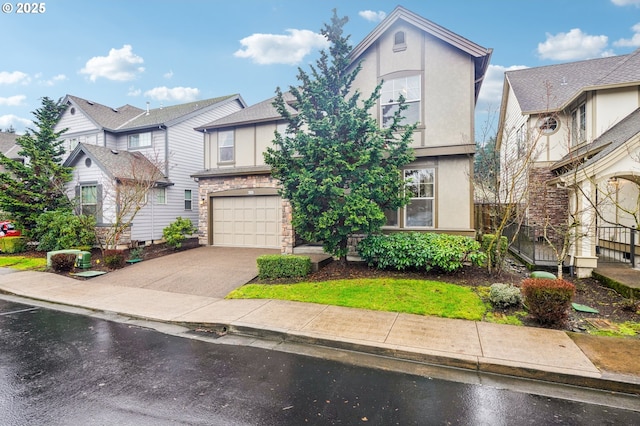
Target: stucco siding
<point>613,105</point>
<point>454,193</point>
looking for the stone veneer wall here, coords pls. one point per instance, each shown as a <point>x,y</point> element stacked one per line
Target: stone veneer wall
<point>207,186</point>
<point>546,200</point>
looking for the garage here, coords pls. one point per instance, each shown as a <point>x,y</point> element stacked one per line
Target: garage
<point>246,221</point>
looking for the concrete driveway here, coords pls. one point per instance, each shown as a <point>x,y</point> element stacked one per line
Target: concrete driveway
<point>203,271</point>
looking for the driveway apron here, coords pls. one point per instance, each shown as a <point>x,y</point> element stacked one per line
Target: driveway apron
<point>204,271</point>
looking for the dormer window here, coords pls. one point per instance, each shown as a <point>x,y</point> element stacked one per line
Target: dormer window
<point>399,42</point>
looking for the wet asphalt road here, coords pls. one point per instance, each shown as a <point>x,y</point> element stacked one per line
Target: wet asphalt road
<point>65,369</point>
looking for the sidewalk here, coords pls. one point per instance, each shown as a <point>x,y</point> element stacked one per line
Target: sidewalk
<point>550,355</point>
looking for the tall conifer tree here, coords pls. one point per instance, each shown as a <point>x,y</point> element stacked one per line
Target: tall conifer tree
<point>338,167</point>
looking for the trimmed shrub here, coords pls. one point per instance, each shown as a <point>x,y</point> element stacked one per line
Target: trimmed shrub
<point>11,245</point>
<point>114,259</point>
<point>504,295</point>
<point>416,250</point>
<point>61,230</point>
<point>275,266</point>
<point>548,300</point>
<point>63,262</point>
<point>177,231</point>
<point>498,251</point>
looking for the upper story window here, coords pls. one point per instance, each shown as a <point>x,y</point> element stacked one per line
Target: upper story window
<point>140,140</point>
<point>226,146</point>
<point>579,125</point>
<point>548,125</point>
<point>409,88</point>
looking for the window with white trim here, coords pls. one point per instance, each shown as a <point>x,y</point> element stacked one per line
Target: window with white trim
<point>420,185</point>
<point>226,146</point>
<point>579,125</point>
<point>89,200</point>
<point>187,199</point>
<point>139,140</point>
<point>160,195</point>
<point>409,88</point>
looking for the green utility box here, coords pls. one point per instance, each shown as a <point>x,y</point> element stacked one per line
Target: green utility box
<point>84,260</point>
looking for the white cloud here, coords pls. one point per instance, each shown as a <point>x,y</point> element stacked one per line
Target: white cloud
<point>16,77</point>
<point>635,3</point>
<point>168,75</point>
<point>55,79</point>
<point>119,65</point>
<point>634,41</point>
<point>573,45</point>
<point>491,90</point>
<point>13,100</point>
<point>281,49</point>
<point>18,123</point>
<point>134,92</point>
<point>372,16</point>
<point>181,94</point>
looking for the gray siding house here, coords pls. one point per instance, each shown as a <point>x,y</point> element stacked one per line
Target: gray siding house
<point>439,73</point>
<point>165,136</point>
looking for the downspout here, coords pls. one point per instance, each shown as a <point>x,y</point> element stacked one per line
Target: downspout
<point>166,151</point>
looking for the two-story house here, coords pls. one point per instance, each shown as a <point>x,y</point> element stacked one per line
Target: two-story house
<point>438,72</point>
<point>581,123</point>
<point>106,145</point>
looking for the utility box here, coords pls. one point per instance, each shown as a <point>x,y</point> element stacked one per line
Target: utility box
<point>83,260</point>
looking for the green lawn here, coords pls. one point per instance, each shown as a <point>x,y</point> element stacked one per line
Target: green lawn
<point>381,294</point>
<point>23,263</point>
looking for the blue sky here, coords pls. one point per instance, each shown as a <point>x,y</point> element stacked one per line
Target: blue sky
<point>166,52</point>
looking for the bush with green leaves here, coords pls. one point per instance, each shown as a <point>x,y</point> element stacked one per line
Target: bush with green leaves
<point>276,266</point>
<point>11,245</point>
<point>61,230</point>
<point>548,300</point>
<point>114,259</point>
<point>177,232</point>
<point>421,251</point>
<point>495,252</point>
<point>505,295</point>
<point>63,262</point>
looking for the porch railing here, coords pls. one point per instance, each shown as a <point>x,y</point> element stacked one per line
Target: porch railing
<point>617,244</point>
<point>528,242</point>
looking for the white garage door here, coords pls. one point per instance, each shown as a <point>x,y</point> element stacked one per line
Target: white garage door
<point>247,221</point>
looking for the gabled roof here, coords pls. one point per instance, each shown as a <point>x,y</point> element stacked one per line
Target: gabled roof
<point>606,143</point>
<point>8,145</point>
<point>120,165</point>
<point>103,116</point>
<point>554,87</point>
<point>481,55</point>
<point>176,113</point>
<point>259,113</point>
<point>128,118</point>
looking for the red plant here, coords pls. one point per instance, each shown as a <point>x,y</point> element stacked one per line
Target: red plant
<point>548,300</point>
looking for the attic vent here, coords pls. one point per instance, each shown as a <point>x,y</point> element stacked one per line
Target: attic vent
<point>72,111</point>
<point>90,103</point>
<point>114,110</point>
<point>115,151</point>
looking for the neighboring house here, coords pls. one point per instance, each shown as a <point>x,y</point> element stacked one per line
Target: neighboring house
<point>100,140</point>
<point>583,120</point>
<point>9,148</point>
<point>439,73</point>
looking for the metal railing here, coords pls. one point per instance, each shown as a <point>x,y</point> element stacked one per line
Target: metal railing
<point>528,242</point>
<point>617,244</point>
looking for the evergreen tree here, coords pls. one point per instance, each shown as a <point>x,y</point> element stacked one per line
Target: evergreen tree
<point>37,185</point>
<point>339,169</point>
